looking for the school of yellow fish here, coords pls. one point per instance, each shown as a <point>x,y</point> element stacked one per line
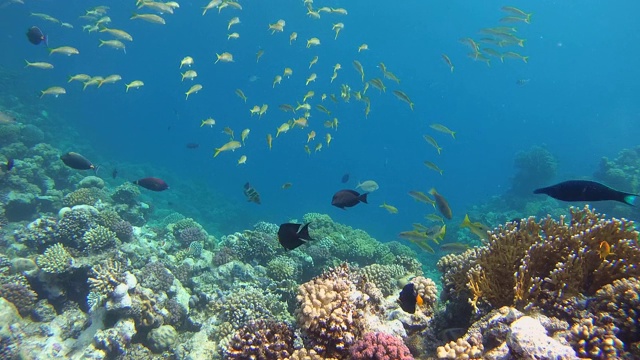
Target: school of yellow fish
<point>483,49</point>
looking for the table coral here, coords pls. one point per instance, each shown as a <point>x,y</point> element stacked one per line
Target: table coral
<point>56,259</point>
<point>380,346</point>
<point>262,340</point>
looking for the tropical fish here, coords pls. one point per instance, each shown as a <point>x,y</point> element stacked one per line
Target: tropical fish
<point>54,90</point>
<point>433,167</point>
<point>110,79</point>
<point>35,36</point>
<point>358,66</point>
<point>291,235</point>
<point>120,34</point>
<point>363,47</point>
<point>422,197</point>
<point>209,121</point>
<point>224,57</point>
<point>313,61</point>
<point>443,129</point>
<point>194,89</point>
<point>286,186</point>
<point>454,247</point>
<point>441,204</point>
<point>233,35</point>
<point>434,217</point>
<point>269,140</point>
<point>244,134</point>
<point>390,208</point>
<point>242,160</point>
<point>345,178</point>
<point>259,54</point>
<point>189,74</point>
<point>433,142</point>
<point>251,194</point>
<point>403,97</point>
<point>231,145</point>
<point>186,61</point>
<point>368,186</point>
<point>9,164</point>
<point>115,44</point>
<point>436,233</point>
<point>152,183</point>
<point>134,84</point>
<point>584,190</point>
<point>313,42</point>
<point>152,18</point>
<point>409,298</point>
<point>65,50</point>
<point>447,61</point>
<point>476,227</point>
<point>348,198</point>
<point>233,21</point>
<point>241,95</point>
<point>293,37</point>
<point>604,250</point>
<point>39,65</point>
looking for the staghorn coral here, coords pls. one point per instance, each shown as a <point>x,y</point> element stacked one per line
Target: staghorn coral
<point>595,342</point>
<point>262,340</point>
<point>84,196</point>
<point>105,277</point>
<point>330,312</point>
<point>543,264</point>
<point>98,238</point>
<point>380,346</point>
<point>55,260</point>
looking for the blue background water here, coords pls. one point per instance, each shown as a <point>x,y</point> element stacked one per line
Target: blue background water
<point>581,100</point>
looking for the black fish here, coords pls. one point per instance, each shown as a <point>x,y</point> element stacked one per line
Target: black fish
<point>9,164</point>
<point>408,298</point>
<point>345,178</point>
<point>584,190</point>
<point>35,36</point>
<point>193,145</point>
<point>292,235</point>
<point>77,161</point>
<point>114,173</point>
<point>348,198</point>
<point>152,183</point>
<point>251,194</point>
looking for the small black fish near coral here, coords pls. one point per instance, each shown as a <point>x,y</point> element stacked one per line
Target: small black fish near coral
<point>251,194</point>
<point>348,198</point>
<point>585,190</point>
<point>409,298</point>
<point>35,36</point>
<point>152,183</point>
<point>291,235</point>
<point>10,164</point>
<point>77,161</point>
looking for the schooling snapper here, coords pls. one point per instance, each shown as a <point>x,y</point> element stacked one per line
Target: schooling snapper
<point>584,190</point>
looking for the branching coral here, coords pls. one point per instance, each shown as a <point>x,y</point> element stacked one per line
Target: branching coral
<point>619,303</point>
<point>241,305</point>
<point>84,196</point>
<point>329,313</point>
<point>595,342</point>
<point>56,259</point>
<point>380,346</point>
<point>105,277</point>
<point>99,238</point>
<point>544,263</point>
<point>262,339</point>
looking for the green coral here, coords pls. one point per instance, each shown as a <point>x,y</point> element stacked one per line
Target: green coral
<point>182,224</point>
<point>99,237</point>
<point>385,277</point>
<point>283,268</point>
<point>55,260</point>
<point>84,196</point>
<point>242,305</point>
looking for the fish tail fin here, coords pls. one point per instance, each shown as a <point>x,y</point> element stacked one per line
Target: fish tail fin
<point>101,43</point>
<point>28,63</point>
<point>46,40</point>
<point>363,198</point>
<point>217,153</point>
<point>127,88</point>
<point>631,200</point>
<point>466,222</point>
<point>432,191</point>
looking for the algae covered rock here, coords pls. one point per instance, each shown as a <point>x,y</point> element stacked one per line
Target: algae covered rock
<point>20,206</point>
<point>162,338</point>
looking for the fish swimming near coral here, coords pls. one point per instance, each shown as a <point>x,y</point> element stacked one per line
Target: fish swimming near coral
<point>35,36</point>
<point>348,198</point>
<point>441,204</point>
<point>77,161</point>
<point>152,183</point>
<point>585,190</point>
<point>9,165</point>
<point>409,298</point>
<point>477,227</point>
<point>292,235</point>
<point>251,194</point>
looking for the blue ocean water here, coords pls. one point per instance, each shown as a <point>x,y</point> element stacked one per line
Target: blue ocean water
<point>580,100</point>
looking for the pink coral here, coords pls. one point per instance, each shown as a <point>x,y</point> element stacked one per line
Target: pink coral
<point>380,346</point>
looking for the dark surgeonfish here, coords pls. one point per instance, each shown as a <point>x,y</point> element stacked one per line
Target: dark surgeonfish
<point>77,161</point>
<point>292,235</point>
<point>442,204</point>
<point>152,183</point>
<point>409,298</point>
<point>348,198</point>
<point>584,190</point>
<point>251,194</point>
<point>345,178</point>
<point>35,36</point>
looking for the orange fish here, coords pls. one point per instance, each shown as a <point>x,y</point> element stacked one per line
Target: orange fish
<point>442,204</point>
<point>605,250</point>
<point>419,300</point>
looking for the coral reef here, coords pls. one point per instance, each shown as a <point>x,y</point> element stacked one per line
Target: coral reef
<point>99,238</point>
<point>262,339</point>
<point>56,259</point>
<point>380,346</point>
<point>535,168</point>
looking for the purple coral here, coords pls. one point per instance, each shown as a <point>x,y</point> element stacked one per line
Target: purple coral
<point>20,295</point>
<point>191,234</point>
<point>380,346</point>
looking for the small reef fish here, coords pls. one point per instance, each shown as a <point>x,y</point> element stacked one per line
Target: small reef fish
<point>291,235</point>
<point>390,208</point>
<point>363,47</point>
<point>65,50</point>
<point>436,233</point>
<point>368,186</point>
<point>241,95</point>
<point>120,34</point>
<point>9,164</point>
<point>231,145</point>
<point>348,198</point>
<point>422,197</point>
<point>409,298</point>
<point>187,61</point>
<point>134,84</point>
<point>54,90</point>
<point>584,190</point>
<point>194,89</point>
<point>403,97</point>
<point>604,250</point>
<point>242,160</point>
<point>209,121</point>
<point>35,36</point>
<point>152,18</point>
<point>475,227</point>
<point>286,186</point>
<point>447,61</point>
<point>441,204</point>
<point>454,247</point>
<point>39,65</point>
<point>418,238</point>
<point>251,194</point>
<point>434,217</point>
<point>433,167</point>
<point>224,57</point>
<point>152,183</point>
<point>432,142</point>
<point>443,129</point>
<point>358,66</point>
